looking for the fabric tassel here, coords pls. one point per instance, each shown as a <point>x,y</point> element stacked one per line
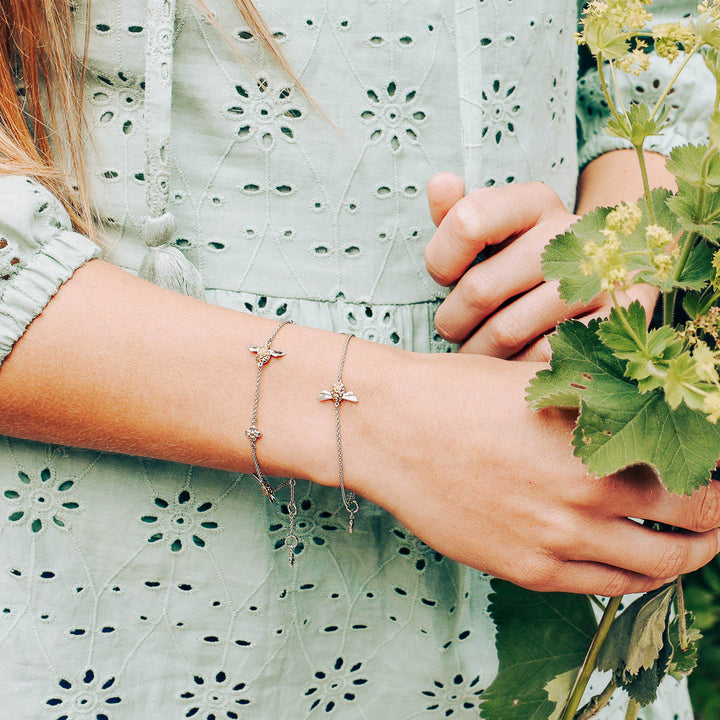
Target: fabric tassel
<point>164,264</point>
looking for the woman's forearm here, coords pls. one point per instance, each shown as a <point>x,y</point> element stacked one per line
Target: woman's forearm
<point>615,177</point>
<point>115,363</point>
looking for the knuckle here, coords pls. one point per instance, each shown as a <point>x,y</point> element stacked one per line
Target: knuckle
<point>466,223</point>
<point>707,516</point>
<point>670,561</point>
<point>545,195</point>
<point>478,291</point>
<point>617,584</point>
<point>445,326</point>
<point>540,573</point>
<point>504,333</point>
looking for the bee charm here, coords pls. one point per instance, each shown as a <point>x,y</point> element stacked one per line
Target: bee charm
<point>264,353</point>
<point>337,394</point>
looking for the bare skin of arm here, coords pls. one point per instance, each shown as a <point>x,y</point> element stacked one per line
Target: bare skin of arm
<point>444,442</point>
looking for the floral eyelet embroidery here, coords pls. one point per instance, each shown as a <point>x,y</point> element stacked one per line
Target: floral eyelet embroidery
<point>393,115</point>
<point>265,111</point>
<point>336,685</point>
<point>446,698</point>
<point>180,522</point>
<point>41,500</point>
<point>215,698</point>
<point>88,697</point>
<point>500,108</point>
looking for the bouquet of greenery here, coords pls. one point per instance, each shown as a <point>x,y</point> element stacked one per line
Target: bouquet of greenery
<point>642,396</point>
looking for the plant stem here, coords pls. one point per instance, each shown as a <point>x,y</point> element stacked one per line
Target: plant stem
<point>606,90</point>
<point>632,710</point>
<point>669,308</point>
<point>588,666</point>
<point>597,703</point>
<point>682,615</point>
<point>669,298</point>
<point>646,183</point>
<point>684,63</point>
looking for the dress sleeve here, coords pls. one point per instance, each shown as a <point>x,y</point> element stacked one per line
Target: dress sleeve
<point>39,251</point>
<point>691,103</point>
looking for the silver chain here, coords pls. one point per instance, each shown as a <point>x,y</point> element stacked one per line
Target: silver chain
<point>338,394</point>
<point>264,354</point>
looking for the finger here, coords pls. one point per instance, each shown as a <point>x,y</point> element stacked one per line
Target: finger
<point>443,191</point>
<point>486,286</point>
<point>509,330</point>
<point>628,545</point>
<point>699,512</point>
<point>590,578</point>
<point>538,351</point>
<point>485,217</point>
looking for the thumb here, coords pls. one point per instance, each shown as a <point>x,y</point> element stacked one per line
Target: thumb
<point>444,190</point>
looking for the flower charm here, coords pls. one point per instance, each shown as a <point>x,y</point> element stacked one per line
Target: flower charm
<point>89,698</point>
<point>41,500</point>
<point>178,523</point>
<point>393,115</point>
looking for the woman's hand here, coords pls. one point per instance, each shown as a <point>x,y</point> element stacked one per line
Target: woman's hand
<point>502,306</point>
<point>452,450</point>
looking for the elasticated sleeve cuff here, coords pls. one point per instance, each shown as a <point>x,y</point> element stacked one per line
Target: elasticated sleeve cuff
<point>39,251</point>
<point>690,105</point>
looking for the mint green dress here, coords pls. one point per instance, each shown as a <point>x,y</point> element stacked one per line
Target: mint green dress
<point>133,588</point>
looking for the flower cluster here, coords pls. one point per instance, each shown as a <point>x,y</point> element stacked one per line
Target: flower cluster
<point>622,239</point>
<point>618,29</point>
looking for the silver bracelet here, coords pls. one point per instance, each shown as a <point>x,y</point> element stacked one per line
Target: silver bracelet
<point>265,354</point>
<point>338,394</point>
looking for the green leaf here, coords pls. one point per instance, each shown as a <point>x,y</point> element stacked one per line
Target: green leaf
<point>603,38</point>
<point>699,270</point>
<point>683,663</point>
<point>637,125</point>
<point>565,254</point>
<point>618,426</point>
<point>638,648</point>
<point>642,349</point>
<point>539,636</point>
<point>707,30</point>
<point>582,368</point>
<point>636,636</point>
<point>629,428</point>
<point>692,218</point>
<point>685,163</point>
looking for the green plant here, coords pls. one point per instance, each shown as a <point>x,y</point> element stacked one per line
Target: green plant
<point>641,396</point>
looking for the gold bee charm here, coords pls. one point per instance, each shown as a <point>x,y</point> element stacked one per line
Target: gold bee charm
<point>264,353</point>
<point>337,394</point>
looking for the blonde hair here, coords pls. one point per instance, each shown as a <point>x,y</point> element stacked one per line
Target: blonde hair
<point>41,130</point>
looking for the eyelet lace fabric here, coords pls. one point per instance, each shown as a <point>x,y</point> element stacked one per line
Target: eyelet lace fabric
<point>133,588</point>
